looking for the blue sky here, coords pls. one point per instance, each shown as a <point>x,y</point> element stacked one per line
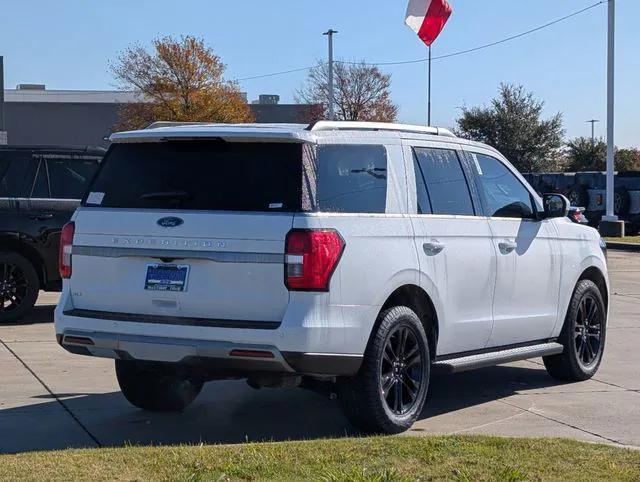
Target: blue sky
<point>67,44</point>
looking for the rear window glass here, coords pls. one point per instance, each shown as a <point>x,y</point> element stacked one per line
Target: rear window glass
<point>14,169</point>
<point>70,178</point>
<point>352,179</point>
<point>201,175</point>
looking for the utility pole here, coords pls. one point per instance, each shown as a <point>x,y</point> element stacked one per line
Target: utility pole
<point>610,224</point>
<point>332,102</point>
<point>593,130</point>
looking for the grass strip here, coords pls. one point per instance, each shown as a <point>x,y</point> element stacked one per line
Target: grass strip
<point>356,459</point>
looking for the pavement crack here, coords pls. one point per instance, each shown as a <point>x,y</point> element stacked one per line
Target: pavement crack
<point>575,427</point>
<point>46,387</point>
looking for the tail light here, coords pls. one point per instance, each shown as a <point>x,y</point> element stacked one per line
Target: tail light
<point>311,257</point>
<point>66,242</point>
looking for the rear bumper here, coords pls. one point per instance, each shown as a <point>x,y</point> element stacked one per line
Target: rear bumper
<point>223,358</point>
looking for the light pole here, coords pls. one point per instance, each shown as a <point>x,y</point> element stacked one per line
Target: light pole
<point>1,93</point>
<point>593,130</point>
<point>611,49</point>
<point>332,110</point>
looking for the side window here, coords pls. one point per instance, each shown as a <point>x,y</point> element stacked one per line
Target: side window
<point>69,179</point>
<point>424,204</point>
<point>446,184</point>
<point>40,188</point>
<point>352,179</point>
<point>15,173</point>
<point>505,195</point>
<point>4,167</point>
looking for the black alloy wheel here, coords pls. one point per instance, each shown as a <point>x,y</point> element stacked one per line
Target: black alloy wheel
<point>14,287</point>
<point>583,335</point>
<point>389,392</point>
<point>401,370</point>
<point>588,331</point>
<point>19,286</point>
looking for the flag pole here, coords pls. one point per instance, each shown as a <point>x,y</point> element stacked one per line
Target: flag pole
<point>429,92</point>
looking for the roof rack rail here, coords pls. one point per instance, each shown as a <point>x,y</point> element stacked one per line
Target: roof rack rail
<point>159,124</point>
<point>378,126</point>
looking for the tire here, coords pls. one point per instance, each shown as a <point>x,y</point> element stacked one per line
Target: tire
<point>578,196</point>
<point>580,360</point>
<point>621,201</point>
<point>632,229</point>
<point>363,399</point>
<point>19,286</point>
<point>156,387</point>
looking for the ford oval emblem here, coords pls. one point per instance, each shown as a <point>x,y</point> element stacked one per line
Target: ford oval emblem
<point>170,222</point>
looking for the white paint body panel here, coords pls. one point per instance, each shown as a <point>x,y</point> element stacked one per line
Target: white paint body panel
<point>481,297</point>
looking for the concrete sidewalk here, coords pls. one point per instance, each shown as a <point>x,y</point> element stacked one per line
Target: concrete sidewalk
<point>50,399</point>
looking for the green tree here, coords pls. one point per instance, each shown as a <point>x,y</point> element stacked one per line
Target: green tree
<point>513,124</point>
<point>585,155</point>
<point>628,160</point>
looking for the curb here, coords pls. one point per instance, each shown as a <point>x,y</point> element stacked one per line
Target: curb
<point>629,247</point>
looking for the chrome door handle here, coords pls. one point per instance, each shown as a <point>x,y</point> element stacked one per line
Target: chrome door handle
<point>507,247</point>
<point>432,248</point>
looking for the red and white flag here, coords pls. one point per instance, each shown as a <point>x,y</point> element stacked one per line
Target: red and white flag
<point>427,18</point>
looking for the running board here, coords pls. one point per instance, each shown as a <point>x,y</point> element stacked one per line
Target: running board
<point>472,362</point>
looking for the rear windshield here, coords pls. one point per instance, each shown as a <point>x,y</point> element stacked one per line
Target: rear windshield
<point>200,175</point>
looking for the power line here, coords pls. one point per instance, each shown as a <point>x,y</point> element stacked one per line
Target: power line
<point>301,69</point>
<point>491,44</point>
<point>446,56</point>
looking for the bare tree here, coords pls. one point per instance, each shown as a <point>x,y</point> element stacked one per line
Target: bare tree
<point>362,92</point>
<point>179,80</point>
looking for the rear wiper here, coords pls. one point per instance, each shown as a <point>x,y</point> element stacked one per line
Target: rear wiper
<point>372,172</point>
<point>168,195</point>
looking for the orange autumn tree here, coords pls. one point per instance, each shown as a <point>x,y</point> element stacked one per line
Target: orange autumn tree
<point>179,80</point>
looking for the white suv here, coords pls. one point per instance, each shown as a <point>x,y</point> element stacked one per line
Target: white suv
<point>355,256</point>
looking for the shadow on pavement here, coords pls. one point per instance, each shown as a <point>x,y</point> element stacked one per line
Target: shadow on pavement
<point>39,314</point>
<point>230,412</point>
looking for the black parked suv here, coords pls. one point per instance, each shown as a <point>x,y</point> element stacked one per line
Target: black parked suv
<point>40,188</point>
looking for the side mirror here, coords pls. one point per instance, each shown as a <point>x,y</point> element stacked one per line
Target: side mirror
<point>555,206</point>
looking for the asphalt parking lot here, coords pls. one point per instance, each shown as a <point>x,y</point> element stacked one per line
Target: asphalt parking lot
<point>50,399</point>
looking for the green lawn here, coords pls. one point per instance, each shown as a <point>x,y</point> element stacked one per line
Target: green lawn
<point>375,459</point>
<point>627,239</point>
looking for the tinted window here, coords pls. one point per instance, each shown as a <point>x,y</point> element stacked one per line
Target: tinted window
<point>424,204</point>
<point>352,179</point>
<point>505,195</point>
<point>444,178</point>
<point>14,170</point>
<point>4,165</point>
<point>40,188</point>
<point>201,175</point>
<point>68,178</point>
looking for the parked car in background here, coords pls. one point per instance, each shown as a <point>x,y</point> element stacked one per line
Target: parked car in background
<point>588,190</point>
<point>40,188</point>
<point>360,257</point>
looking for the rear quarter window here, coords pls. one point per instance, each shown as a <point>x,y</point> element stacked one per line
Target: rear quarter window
<point>70,178</point>
<point>352,179</point>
